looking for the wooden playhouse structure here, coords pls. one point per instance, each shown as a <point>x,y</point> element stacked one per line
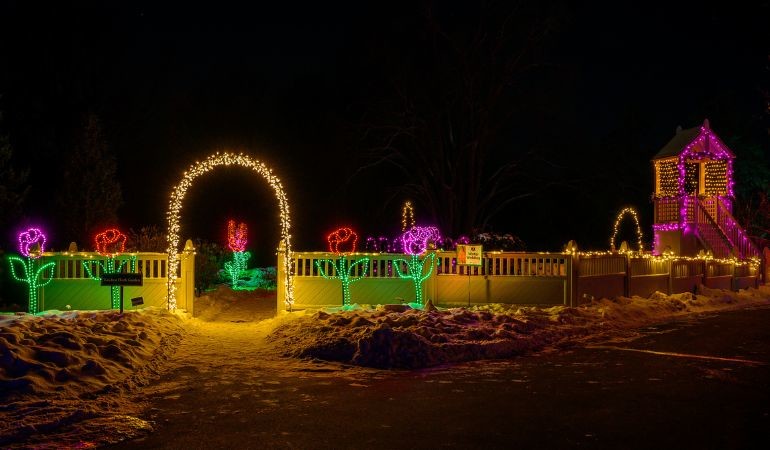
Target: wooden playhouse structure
<point>694,198</point>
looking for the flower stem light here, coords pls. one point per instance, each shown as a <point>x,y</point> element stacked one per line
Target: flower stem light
<point>31,245</point>
<point>343,242</point>
<point>175,209</point>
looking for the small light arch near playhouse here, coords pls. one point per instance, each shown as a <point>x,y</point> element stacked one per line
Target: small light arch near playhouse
<point>621,215</point>
<point>175,208</point>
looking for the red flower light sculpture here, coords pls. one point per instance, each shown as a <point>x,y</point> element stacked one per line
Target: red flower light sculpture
<point>342,241</point>
<point>110,242</point>
<point>236,237</point>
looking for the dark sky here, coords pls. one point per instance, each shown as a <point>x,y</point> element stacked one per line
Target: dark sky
<point>292,84</point>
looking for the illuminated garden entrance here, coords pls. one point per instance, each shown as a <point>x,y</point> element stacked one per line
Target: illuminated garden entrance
<point>175,208</point>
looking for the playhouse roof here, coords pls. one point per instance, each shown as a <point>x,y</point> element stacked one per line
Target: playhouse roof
<point>678,143</point>
<point>683,138</point>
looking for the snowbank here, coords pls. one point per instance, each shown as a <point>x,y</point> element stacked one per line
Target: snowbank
<point>55,367</point>
<point>81,353</point>
<point>387,338</point>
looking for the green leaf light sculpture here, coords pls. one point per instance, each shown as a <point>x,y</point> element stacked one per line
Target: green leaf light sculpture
<point>343,242</point>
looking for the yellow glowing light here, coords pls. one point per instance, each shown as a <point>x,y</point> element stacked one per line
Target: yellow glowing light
<point>407,216</point>
<point>623,213</point>
<point>175,208</point>
<point>754,262</point>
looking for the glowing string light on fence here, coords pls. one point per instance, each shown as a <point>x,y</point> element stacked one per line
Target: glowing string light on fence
<point>415,241</point>
<point>407,216</point>
<point>175,209</point>
<point>109,243</point>
<point>621,215</point>
<point>31,245</point>
<point>342,242</point>
<point>236,241</point>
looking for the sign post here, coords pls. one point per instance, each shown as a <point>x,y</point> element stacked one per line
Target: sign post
<point>469,255</point>
<point>122,279</point>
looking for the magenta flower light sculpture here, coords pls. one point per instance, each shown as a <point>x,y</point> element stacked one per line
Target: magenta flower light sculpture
<point>32,246</point>
<point>342,242</point>
<point>415,242</point>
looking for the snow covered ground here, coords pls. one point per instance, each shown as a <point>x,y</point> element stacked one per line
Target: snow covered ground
<point>383,338</point>
<point>63,367</point>
<point>83,379</point>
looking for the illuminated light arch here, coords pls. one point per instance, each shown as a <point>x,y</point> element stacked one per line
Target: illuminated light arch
<point>621,215</point>
<point>175,208</point>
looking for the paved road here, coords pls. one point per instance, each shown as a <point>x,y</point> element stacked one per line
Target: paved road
<point>702,383</point>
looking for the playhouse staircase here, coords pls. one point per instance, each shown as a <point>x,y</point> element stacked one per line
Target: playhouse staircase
<point>718,231</point>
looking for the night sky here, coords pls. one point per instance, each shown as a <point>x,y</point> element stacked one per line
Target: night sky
<point>294,86</point>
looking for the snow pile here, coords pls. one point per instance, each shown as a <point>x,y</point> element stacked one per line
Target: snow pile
<point>224,304</point>
<point>81,353</point>
<point>392,336</point>
<point>55,367</point>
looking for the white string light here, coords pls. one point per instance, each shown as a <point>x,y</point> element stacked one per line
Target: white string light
<point>175,209</point>
<point>622,214</point>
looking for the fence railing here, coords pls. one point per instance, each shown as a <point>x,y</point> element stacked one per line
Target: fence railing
<point>72,286</point>
<point>501,278</point>
<point>515,278</point>
<point>734,232</point>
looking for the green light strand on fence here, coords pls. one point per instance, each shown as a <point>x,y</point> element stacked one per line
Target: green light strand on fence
<point>344,273</point>
<point>109,267</point>
<point>415,267</point>
<point>32,277</point>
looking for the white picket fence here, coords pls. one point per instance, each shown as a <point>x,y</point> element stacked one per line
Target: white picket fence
<point>72,288</point>
<point>512,278</point>
<point>517,278</point>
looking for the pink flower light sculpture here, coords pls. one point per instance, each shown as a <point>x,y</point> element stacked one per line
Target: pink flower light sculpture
<point>32,243</point>
<point>416,239</point>
<point>415,242</point>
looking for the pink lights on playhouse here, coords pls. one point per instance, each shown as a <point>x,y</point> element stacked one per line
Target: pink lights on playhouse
<point>666,226</point>
<point>706,144</point>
